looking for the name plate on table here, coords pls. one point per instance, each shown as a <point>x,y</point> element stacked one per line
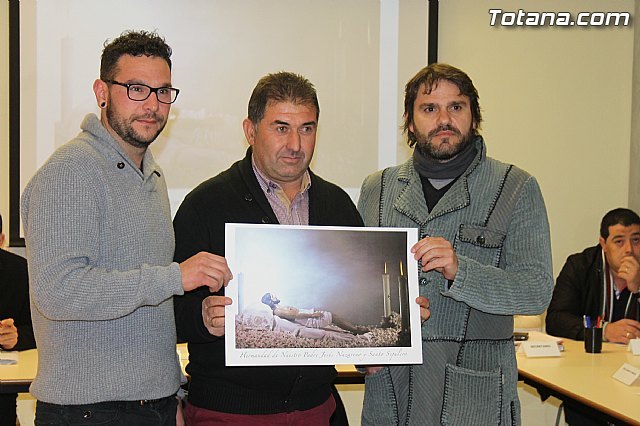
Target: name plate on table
<point>540,349</point>
<point>627,374</point>
<point>634,346</point>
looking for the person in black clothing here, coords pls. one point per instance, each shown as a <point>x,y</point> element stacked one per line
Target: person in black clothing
<point>273,185</point>
<point>602,281</point>
<point>16,332</point>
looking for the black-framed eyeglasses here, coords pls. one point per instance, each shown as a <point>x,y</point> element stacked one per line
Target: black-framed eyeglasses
<point>140,92</point>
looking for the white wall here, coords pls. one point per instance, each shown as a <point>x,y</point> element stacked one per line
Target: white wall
<point>350,51</point>
<point>556,102</point>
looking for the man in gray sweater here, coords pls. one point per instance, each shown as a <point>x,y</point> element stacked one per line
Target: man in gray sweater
<point>100,247</point>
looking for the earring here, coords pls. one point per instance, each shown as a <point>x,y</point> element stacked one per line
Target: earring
<point>103,104</point>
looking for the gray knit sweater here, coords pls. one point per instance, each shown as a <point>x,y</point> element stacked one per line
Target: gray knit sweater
<point>100,247</point>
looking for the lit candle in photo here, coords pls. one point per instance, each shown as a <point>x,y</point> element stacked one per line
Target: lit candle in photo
<point>386,293</point>
<point>403,300</point>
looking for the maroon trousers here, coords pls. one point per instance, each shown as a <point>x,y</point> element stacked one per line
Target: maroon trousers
<point>319,416</point>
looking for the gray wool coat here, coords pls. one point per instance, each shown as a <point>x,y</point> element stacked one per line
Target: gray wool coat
<point>499,230</point>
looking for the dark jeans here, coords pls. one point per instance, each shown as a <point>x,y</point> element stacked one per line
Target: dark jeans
<point>112,413</point>
<point>8,409</point>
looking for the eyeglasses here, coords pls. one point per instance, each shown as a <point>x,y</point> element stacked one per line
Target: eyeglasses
<point>140,92</point>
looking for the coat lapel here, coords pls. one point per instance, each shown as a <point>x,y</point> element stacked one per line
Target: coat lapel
<point>411,203</point>
<point>410,200</point>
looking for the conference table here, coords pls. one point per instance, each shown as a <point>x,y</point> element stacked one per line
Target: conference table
<point>575,376</point>
<point>585,379</point>
<point>16,378</point>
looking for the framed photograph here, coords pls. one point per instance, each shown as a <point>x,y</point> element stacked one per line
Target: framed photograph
<point>320,295</point>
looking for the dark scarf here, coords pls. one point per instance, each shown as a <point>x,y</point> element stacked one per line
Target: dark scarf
<point>433,169</point>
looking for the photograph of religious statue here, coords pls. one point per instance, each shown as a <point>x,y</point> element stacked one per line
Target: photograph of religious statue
<point>321,295</point>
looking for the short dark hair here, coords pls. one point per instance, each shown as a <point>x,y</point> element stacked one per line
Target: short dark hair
<point>430,76</point>
<point>619,216</point>
<point>281,87</point>
<point>0,223</point>
<point>134,43</point>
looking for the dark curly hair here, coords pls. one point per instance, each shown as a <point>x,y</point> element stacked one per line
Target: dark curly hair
<point>619,216</point>
<point>430,76</point>
<point>135,43</point>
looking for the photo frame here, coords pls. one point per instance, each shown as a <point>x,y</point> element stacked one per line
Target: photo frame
<point>320,295</point>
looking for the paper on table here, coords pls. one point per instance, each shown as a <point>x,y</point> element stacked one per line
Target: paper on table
<point>8,357</point>
<point>538,336</point>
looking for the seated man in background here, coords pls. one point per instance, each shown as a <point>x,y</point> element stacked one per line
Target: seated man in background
<point>16,332</point>
<point>602,281</point>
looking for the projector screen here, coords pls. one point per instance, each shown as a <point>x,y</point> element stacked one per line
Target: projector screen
<point>347,49</point>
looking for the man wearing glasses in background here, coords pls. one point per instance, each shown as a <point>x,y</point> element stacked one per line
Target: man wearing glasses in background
<point>100,246</point>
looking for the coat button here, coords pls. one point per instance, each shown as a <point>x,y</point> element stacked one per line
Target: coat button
<point>265,219</point>
<point>423,281</point>
<point>121,165</point>
<point>480,239</point>
<point>87,415</point>
<point>248,197</point>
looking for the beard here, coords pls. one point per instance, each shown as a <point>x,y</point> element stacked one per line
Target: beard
<point>123,127</point>
<point>446,150</point>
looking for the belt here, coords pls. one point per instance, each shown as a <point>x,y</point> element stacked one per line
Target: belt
<point>151,401</point>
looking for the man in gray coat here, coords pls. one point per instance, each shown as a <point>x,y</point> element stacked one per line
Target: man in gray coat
<point>483,256</point>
